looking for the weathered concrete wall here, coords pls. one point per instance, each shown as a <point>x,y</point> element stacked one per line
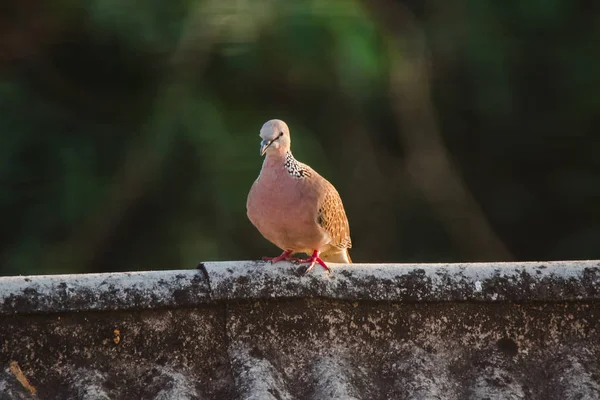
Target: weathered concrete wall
<point>258,331</point>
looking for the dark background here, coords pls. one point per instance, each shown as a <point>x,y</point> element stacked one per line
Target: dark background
<point>454,131</point>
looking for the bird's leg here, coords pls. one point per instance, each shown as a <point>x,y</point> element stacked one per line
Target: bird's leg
<point>285,256</point>
<point>314,259</point>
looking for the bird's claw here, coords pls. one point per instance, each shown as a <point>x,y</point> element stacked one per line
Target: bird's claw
<point>285,256</point>
<point>312,260</point>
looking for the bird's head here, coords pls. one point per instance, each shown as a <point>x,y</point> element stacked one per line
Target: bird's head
<point>275,136</point>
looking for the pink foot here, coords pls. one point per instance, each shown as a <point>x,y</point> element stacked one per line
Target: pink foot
<point>315,259</point>
<point>285,256</point>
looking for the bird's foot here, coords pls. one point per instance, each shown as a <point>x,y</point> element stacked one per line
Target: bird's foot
<point>285,256</point>
<point>312,260</point>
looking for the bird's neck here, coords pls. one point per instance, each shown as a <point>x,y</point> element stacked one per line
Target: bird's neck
<point>278,157</point>
<point>290,163</point>
<point>293,167</point>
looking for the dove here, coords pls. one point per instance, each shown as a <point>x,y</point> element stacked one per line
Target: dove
<point>294,207</point>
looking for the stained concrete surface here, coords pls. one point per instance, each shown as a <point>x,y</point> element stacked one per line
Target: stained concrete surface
<point>252,330</point>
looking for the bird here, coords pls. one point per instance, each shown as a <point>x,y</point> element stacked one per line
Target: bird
<point>294,207</point>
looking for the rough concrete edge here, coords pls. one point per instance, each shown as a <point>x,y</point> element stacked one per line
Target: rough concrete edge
<point>240,280</point>
<point>101,292</point>
<point>514,281</point>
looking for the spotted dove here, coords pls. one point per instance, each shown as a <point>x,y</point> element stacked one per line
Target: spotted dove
<point>294,207</point>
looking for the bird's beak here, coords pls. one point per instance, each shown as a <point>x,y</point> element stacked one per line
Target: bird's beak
<point>264,145</point>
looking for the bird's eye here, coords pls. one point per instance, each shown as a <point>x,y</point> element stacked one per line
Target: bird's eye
<point>280,134</point>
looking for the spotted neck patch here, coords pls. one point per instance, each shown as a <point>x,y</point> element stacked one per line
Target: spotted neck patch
<point>295,168</point>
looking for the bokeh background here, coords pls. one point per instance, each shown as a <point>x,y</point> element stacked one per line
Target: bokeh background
<point>454,131</point>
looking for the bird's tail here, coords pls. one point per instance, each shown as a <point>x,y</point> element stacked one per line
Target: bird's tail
<point>348,256</point>
<point>342,257</point>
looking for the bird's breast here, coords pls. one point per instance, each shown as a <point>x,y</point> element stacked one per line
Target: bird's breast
<point>284,210</point>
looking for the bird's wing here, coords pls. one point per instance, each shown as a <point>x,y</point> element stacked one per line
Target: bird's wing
<point>331,216</point>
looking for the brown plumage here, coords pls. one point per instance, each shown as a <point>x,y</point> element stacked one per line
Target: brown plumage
<point>294,207</point>
<point>331,216</point>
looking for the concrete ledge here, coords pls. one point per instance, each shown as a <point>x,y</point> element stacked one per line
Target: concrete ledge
<point>252,330</point>
<point>524,281</point>
<point>99,292</point>
<point>240,280</point>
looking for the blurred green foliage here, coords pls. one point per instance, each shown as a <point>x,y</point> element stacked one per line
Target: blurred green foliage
<point>130,129</point>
